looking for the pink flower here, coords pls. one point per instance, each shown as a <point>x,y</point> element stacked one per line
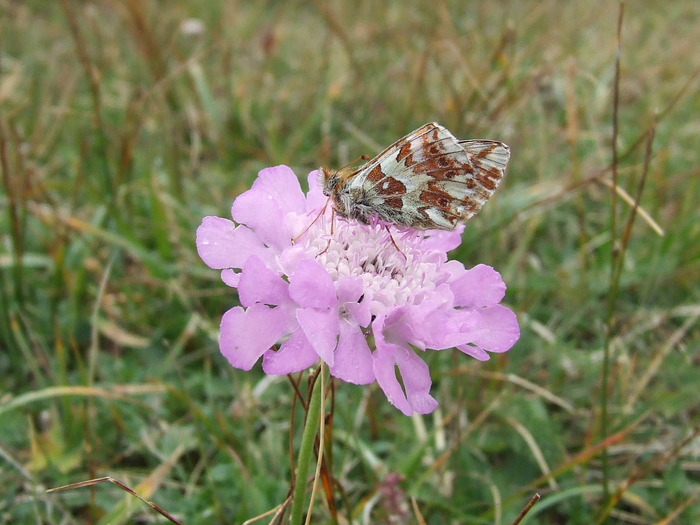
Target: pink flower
<point>312,288</point>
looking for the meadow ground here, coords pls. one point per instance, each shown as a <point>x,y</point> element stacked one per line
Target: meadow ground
<point>123,123</point>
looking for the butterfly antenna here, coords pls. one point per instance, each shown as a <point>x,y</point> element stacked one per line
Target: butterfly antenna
<point>323,210</point>
<point>364,158</point>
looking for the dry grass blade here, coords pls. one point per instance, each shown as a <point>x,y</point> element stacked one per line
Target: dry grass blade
<point>417,513</point>
<point>627,234</point>
<point>277,514</point>
<point>673,516</point>
<point>656,363</point>
<point>590,452</point>
<point>527,508</point>
<point>536,452</point>
<point>528,385</point>
<point>123,486</point>
<point>643,471</point>
<point>615,257</point>
<point>634,204</point>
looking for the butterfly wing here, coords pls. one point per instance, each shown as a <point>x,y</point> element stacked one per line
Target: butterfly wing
<point>430,179</point>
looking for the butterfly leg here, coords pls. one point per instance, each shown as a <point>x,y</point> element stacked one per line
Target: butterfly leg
<point>332,230</point>
<point>323,210</point>
<point>388,231</point>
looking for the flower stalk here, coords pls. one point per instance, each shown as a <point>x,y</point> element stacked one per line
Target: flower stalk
<point>312,424</point>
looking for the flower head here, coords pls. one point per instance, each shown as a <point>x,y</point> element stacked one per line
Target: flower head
<point>366,299</point>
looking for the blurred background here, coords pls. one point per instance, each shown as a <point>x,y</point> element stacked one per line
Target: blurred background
<point>124,122</point>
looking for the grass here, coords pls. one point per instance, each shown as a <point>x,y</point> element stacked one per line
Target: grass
<point>119,131</point>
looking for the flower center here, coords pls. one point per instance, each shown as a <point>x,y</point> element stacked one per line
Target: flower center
<point>370,252</point>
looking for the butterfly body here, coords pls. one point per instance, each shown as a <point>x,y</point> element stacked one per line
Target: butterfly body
<point>426,180</point>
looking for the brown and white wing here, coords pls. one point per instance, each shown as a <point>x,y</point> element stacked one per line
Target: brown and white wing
<point>489,159</point>
<point>430,179</point>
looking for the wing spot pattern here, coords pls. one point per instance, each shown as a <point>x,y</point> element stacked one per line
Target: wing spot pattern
<point>392,186</point>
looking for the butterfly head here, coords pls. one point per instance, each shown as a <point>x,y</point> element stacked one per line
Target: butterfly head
<point>335,186</point>
<point>329,181</point>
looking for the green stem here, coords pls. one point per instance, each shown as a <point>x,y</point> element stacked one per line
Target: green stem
<point>311,426</point>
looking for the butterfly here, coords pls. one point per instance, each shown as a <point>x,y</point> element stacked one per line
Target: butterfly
<point>426,180</point>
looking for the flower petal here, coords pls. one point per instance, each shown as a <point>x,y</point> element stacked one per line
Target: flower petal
<point>494,329</point>
<point>398,327</point>
<point>321,328</point>
<point>280,183</point>
<point>315,199</point>
<point>415,376</point>
<point>259,284</point>
<point>221,244</point>
<point>480,286</point>
<point>353,358</point>
<point>275,193</point>
<point>231,277</point>
<point>384,362</point>
<point>415,394</point>
<point>474,351</point>
<point>310,286</point>
<point>248,334</point>
<point>433,327</point>
<point>263,215</point>
<point>443,241</point>
<point>295,354</point>
<point>425,325</point>
<point>355,299</point>
<point>349,289</point>
<point>416,380</point>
